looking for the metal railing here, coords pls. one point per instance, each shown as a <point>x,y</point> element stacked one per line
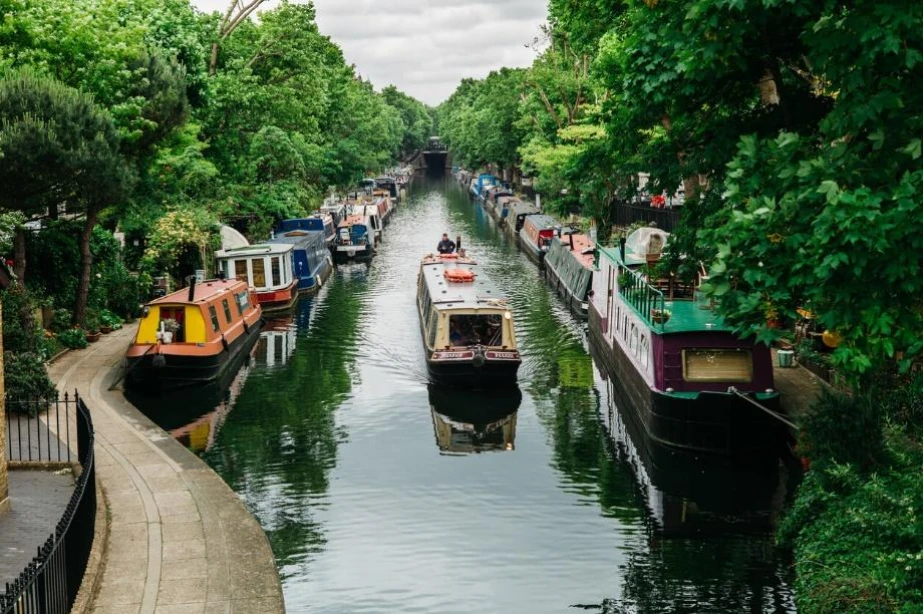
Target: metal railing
<point>41,430</point>
<point>641,295</point>
<point>50,582</point>
<point>627,214</point>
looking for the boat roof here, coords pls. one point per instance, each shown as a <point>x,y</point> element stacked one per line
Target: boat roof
<point>260,249</point>
<point>507,199</point>
<point>451,294</point>
<point>203,291</point>
<point>353,219</point>
<point>520,207</point>
<point>301,239</point>
<point>542,221</point>
<point>583,251</point>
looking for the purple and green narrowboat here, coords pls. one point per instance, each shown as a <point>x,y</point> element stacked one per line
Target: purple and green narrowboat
<point>691,381</point>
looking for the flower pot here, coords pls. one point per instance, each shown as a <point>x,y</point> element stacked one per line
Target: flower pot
<point>660,319</point>
<point>93,337</point>
<point>105,329</point>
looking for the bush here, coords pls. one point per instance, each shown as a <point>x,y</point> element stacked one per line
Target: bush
<point>844,429</point>
<point>28,386</point>
<point>904,406</point>
<point>73,339</point>
<point>107,318</point>
<point>16,300</point>
<point>62,320</point>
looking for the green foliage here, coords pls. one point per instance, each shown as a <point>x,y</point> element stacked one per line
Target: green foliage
<point>62,319</point>
<point>844,429</point>
<point>16,338</point>
<point>416,118</point>
<point>180,242</point>
<point>73,338</point>
<point>26,382</point>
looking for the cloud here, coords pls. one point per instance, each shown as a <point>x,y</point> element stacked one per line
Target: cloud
<point>425,47</point>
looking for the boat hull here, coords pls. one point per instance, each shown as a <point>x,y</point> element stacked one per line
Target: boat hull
<point>578,305</point>
<point>185,370</point>
<point>346,256</point>
<point>718,423</point>
<point>312,284</point>
<point>278,300</point>
<point>534,252</point>
<point>463,373</point>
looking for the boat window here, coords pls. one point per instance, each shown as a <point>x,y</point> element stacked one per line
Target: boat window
<point>227,310</point>
<point>243,302</point>
<point>645,354</point>
<point>633,340</point>
<point>240,269</point>
<point>259,273</point>
<point>214,316</point>
<point>431,337</point>
<point>276,272</point>
<point>467,330</point>
<point>717,365</point>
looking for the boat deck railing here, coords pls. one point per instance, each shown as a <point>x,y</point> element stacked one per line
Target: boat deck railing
<point>641,295</point>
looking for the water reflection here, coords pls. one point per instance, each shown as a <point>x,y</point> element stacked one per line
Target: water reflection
<point>476,421</point>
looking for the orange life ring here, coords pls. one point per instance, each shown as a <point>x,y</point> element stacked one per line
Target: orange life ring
<point>459,275</point>
<point>448,256</point>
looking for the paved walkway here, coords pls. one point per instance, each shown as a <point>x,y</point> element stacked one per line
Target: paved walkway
<point>180,539</point>
<point>797,386</point>
<point>38,501</point>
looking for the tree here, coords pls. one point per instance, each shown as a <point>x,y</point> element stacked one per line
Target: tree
<point>418,123</point>
<point>59,147</point>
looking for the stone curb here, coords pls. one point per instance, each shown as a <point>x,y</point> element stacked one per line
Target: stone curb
<point>86,595</point>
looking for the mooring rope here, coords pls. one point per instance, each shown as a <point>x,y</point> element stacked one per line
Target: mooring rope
<point>772,413</point>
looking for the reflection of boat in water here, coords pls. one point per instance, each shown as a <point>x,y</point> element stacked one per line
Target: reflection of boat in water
<point>277,343</point>
<point>689,494</point>
<point>193,415</point>
<point>474,421</point>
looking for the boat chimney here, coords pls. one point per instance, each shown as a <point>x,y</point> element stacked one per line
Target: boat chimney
<point>622,248</point>
<point>458,242</point>
<point>571,236</point>
<point>191,281</point>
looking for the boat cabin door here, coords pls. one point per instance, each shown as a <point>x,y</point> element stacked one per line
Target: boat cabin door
<point>344,236</point>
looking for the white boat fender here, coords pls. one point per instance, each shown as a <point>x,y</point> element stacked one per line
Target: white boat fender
<point>479,359</point>
<point>159,361</point>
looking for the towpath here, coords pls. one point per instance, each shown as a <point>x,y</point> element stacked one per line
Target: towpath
<point>180,540</point>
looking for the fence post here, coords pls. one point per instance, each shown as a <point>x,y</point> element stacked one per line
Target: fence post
<point>4,476</point>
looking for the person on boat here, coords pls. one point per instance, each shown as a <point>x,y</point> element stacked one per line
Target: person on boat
<point>447,245</point>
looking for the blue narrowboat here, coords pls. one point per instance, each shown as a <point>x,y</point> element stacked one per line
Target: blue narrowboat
<point>313,262</point>
<point>481,184</point>
<point>319,222</point>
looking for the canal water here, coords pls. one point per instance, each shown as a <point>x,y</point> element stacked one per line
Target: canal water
<point>382,494</point>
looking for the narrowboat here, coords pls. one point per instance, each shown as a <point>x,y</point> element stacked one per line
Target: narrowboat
<point>193,335</point>
<point>536,235</point>
<point>337,212</point>
<point>313,262</point>
<point>692,382</point>
<point>479,421</point>
<point>467,324</point>
<point>319,222</point>
<point>569,270</point>
<point>355,241</point>
<point>481,183</point>
<point>389,184</point>
<point>382,201</point>
<point>373,215</point>
<point>514,216</point>
<point>268,268</point>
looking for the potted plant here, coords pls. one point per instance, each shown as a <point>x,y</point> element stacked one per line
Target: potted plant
<point>660,316</point>
<point>168,328</point>
<point>109,322</point>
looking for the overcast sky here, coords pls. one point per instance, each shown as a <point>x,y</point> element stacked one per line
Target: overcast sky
<point>425,47</point>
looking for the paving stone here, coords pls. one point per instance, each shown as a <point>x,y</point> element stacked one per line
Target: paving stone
<point>178,551</point>
<point>182,531</point>
<point>185,569</point>
<point>182,608</point>
<point>192,590</point>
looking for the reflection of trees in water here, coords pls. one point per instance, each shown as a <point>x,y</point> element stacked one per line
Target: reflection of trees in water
<point>278,446</point>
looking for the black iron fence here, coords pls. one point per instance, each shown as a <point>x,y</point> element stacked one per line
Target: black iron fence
<point>49,584</point>
<point>41,430</point>
<point>627,214</point>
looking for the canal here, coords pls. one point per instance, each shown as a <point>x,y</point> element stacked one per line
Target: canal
<point>381,494</point>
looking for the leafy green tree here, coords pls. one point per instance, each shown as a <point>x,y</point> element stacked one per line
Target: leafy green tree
<point>418,123</point>
<point>59,147</point>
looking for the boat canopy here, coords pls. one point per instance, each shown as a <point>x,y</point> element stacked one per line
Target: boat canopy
<point>645,241</point>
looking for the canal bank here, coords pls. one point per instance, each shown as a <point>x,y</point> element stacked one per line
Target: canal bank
<point>179,539</point>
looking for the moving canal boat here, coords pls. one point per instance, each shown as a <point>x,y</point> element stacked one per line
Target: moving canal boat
<point>536,235</point>
<point>478,421</point>
<point>193,335</point>
<point>268,269</point>
<point>569,270</point>
<point>313,262</point>
<point>692,382</point>
<point>355,241</point>
<point>467,325</point>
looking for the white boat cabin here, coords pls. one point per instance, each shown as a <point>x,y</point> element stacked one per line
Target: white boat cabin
<point>265,267</point>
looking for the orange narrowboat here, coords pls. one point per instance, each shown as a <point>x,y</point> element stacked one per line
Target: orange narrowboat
<point>193,335</point>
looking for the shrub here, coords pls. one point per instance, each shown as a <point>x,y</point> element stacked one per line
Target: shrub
<point>107,318</point>
<point>844,429</point>
<point>28,386</point>
<point>904,406</point>
<point>16,301</point>
<point>61,320</point>
<point>73,338</point>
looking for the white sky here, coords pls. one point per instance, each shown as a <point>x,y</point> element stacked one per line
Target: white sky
<point>425,47</point>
